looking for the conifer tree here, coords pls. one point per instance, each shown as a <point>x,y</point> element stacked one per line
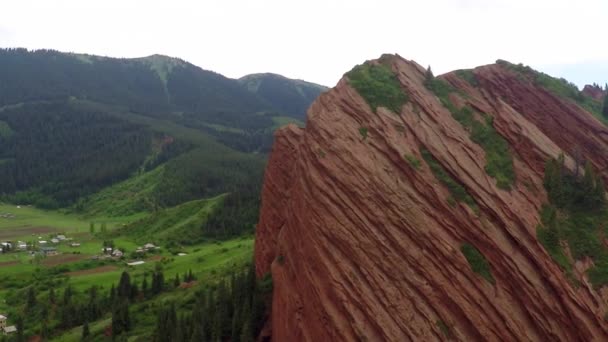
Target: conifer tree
<point>124,285</point>
<point>605,107</point>
<point>85,331</point>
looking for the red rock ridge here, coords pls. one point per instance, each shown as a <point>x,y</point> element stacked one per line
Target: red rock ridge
<point>594,91</point>
<point>364,247</point>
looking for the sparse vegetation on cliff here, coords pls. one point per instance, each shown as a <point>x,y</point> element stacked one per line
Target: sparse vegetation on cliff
<point>478,262</point>
<point>412,160</point>
<point>468,75</point>
<point>558,86</point>
<point>363,132</point>
<point>577,215</point>
<point>378,85</point>
<point>499,161</point>
<point>458,192</point>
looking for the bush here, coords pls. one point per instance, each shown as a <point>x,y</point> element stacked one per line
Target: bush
<point>363,132</point>
<point>377,84</point>
<point>412,160</point>
<point>478,262</point>
<point>456,190</point>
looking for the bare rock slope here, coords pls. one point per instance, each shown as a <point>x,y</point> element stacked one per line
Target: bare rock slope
<point>411,224</point>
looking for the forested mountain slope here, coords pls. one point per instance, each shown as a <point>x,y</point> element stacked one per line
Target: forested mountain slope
<point>73,124</point>
<point>288,95</point>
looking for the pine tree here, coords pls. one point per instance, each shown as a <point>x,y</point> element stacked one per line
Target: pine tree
<point>605,108</point>
<point>124,285</point>
<point>144,286</point>
<point>85,331</point>
<point>428,78</point>
<point>31,298</point>
<point>92,228</point>
<point>20,336</point>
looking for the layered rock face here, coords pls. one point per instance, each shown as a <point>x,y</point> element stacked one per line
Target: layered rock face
<point>365,243</point>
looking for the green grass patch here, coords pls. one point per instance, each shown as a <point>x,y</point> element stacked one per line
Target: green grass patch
<point>378,85</point>
<point>363,132</point>
<point>457,191</point>
<point>5,130</point>
<point>468,75</point>
<point>478,262</point>
<point>445,329</point>
<point>177,225</point>
<point>499,160</point>
<point>413,161</point>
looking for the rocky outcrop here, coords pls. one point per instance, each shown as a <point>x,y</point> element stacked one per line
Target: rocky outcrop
<point>364,243</point>
<point>594,91</point>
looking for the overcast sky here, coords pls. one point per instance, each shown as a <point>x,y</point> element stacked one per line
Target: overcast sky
<point>319,40</point>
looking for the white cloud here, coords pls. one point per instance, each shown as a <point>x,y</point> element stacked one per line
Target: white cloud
<point>315,40</point>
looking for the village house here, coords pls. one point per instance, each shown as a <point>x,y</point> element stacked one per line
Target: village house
<point>75,244</point>
<point>107,250</point>
<point>21,245</point>
<point>149,246</point>
<point>117,253</point>
<point>10,330</point>
<point>6,244</point>
<point>49,251</point>
<point>55,240</point>
<point>61,237</point>
<point>4,328</point>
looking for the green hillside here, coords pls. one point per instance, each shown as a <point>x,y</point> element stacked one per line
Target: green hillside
<point>289,96</point>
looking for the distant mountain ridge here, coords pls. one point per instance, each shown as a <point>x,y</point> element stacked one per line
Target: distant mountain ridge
<point>286,94</point>
<point>208,132</point>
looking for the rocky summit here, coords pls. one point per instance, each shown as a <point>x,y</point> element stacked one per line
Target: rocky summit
<point>465,207</point>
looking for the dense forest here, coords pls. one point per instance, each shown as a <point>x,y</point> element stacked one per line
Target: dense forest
<point>232,307</point>
<point>159,87</point>
<point>72,124</point>
<point>50,155</point>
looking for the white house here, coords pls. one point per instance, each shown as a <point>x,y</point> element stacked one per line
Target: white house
<point>117,253</point>
<point>61,237</point>
<point>2,322</point>
<point>10,330</point>
<point>21,245</point>
<point>55,240</point>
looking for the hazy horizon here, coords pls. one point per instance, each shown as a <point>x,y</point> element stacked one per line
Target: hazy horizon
<point>318,41</point>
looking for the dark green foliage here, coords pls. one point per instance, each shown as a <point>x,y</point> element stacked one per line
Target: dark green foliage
<point>363,132</point>
<point>238,214</point>
<point>121,321</point>
<point>59,154</point>
<point>456,189</point>
<point>445,329</point>
<point>605,106</point>
<point>85,331</point>
<point>378,85</point>
<point>201,174</point>
<point>439,87</point>
<point>578,215</point>
<point>234,311</point>
<point>124,285</point>
<point>499,161</point>
<point>469,76</point>
<point>478,262</point>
